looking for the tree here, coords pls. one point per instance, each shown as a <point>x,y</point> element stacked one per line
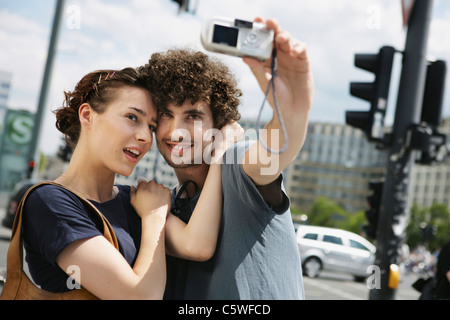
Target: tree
<point>413,233</point>
<point>355,222</point>
<point>428,226</point>
<point>326,213</point>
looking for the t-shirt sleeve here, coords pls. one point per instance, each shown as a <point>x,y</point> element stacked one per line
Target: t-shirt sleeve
<point>234,176</point>
<point>53,218</point>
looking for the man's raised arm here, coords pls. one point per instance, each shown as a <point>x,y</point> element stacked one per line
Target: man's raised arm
<point>294,91</point>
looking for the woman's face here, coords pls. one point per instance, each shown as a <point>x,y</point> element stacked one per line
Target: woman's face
<point>121,135</point>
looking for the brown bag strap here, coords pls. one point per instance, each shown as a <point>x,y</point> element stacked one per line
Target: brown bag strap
<point>15,252</point>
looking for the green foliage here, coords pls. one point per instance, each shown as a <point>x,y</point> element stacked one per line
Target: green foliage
<point>326,213</point>
<point>428,226</point>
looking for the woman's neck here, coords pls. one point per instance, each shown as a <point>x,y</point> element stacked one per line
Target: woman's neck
<point>93,182</point>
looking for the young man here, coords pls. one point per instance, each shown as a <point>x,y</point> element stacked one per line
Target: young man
<point>256,255</point>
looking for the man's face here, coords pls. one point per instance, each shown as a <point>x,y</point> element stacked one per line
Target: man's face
<point>182,136</point>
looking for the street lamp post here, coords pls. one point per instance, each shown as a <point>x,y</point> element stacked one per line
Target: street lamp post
<point>45,83</point>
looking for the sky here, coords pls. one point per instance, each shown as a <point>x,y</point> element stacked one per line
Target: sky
<point>108,34</point>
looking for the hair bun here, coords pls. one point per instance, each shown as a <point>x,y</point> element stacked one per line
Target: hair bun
<point>97,88</point>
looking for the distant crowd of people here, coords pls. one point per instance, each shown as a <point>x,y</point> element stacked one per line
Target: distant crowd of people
<point>434,284</point>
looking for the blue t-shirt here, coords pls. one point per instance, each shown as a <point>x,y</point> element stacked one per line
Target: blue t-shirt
<point>256,256</point>
<point>53,218</point>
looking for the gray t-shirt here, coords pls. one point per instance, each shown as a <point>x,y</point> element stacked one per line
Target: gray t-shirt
<point>256,256</point>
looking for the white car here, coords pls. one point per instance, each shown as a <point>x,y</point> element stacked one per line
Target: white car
<point>334,250</point>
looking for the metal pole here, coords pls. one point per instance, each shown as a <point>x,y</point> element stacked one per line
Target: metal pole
<point>46,81</point>
<point>393,210</point>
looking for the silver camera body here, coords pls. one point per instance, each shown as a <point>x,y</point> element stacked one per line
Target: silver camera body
<point>237,38</point>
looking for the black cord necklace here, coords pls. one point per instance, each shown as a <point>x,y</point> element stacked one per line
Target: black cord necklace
<point>181,203</point>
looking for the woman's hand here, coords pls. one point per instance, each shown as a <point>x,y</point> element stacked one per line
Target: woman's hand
<point>225,138</point>
<point>150,197</point>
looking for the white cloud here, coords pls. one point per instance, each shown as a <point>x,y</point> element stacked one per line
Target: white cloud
<point>24,47</point>
<point>116,34</point>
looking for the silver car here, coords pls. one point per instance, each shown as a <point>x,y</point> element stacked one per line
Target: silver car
<point>334,250</point>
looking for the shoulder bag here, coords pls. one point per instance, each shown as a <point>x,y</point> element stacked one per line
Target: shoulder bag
<point>18,286</point>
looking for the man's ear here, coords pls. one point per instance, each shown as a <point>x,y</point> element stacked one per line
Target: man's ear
<point>85,113</point>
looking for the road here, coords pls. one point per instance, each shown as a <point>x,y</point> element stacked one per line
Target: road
<point>3,251</point>
<point>4,238</point>
<point>4,243</point>
<point>336,286</point>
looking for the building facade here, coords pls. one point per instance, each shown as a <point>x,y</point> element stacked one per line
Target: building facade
<point>5,84</point>
<point>336,162</point>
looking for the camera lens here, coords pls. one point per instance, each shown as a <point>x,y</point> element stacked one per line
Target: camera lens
<point>252,38</point>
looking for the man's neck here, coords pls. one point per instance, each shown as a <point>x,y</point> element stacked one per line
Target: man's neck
<point>196,173</point>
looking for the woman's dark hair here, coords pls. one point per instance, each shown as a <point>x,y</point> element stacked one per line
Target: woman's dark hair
<point>97,88</point>
<point>181,75</point>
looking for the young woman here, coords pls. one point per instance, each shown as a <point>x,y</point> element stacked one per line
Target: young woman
<point>109,120</point>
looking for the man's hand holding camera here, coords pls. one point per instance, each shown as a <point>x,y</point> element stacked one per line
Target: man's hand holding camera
<point>294,91</point>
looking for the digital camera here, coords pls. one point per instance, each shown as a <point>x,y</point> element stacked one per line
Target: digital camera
<point>237,38</point>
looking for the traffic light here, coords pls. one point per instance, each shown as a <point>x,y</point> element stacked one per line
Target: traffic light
<point>374,201</point>
<point>434,93</point>
<point>65,153</point>
<point>372,121</point>
<point>183,4</point>
<point>31,166</point>
<point>434,146</point>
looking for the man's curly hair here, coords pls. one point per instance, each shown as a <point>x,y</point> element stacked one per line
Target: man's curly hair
<point>180,75</point>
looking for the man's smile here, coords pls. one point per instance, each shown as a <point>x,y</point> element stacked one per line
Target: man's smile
<point>179,148</point>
